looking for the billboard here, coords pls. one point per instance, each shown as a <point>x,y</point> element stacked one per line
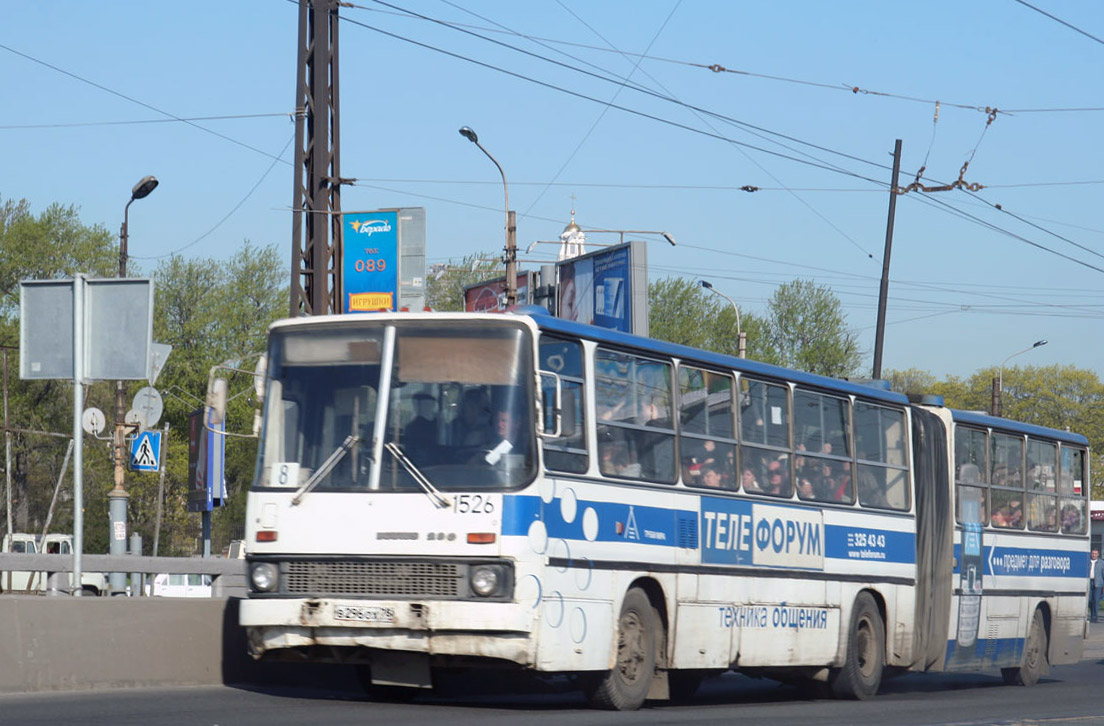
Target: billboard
<point>112,317</point>
<point>608,288</point>
<point>488,296</point>
<point>206,458</point>
<point>383,260</point>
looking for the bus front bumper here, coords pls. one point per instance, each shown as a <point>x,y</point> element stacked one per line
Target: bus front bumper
<point>446,628</point>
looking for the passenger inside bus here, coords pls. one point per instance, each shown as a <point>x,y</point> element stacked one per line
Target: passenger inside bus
<point>711,477</point>
<point>420,435</point>
<point>748,481</point>
<point>472,426</point>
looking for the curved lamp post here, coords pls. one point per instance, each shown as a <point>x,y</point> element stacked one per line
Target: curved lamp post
<point>117,497</point>
<point>998,382</point>
<point>511,228</point>
<point>741,346</point>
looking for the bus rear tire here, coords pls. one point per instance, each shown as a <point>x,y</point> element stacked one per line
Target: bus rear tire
<point>1034,657</point>
<point>861,674</point>
<point>638,638</point>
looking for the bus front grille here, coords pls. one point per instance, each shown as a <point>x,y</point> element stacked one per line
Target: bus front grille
<point>374,579</point>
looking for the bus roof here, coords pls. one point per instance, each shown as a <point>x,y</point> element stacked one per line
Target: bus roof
<point>1018,427</point>
<point>660,347</point>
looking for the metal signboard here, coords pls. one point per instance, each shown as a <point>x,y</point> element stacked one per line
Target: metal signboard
<point>46,329</point>
<point>115,325</point>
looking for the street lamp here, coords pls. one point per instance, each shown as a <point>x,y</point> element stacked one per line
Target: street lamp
<point>511,226</point>
<point>141,190</point>
<point>623,232</point>
<point>117,497</point>
<point>741,347</point>
<point>998,382</point>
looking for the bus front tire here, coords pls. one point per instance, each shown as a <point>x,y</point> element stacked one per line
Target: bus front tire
<point>638,639</point>
<point>861,673</point>
<point>1034,657</point>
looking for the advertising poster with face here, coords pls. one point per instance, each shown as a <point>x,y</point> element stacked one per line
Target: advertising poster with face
<point>576,300</point>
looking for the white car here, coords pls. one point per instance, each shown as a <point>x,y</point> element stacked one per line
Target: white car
<point>166,585</point>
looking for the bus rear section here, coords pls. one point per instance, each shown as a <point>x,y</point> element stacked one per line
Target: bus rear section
<point>1020,538</point>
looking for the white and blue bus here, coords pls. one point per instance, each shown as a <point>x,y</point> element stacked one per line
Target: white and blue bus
<point>439,491</point>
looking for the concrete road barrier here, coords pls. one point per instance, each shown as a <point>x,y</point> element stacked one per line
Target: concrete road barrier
<point>90,643</point>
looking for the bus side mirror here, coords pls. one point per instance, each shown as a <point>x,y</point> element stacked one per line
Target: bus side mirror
<point>551,418</point>
<point>259,374</point>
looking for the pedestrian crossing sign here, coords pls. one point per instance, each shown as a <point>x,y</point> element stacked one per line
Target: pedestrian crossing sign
<point>145,452</point>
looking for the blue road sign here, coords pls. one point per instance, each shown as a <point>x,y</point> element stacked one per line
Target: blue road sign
<point>145,451</point>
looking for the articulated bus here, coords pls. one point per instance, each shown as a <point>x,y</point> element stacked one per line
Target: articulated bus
<point>438,491</point>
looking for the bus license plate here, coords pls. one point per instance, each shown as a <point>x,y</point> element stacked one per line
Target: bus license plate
<point>364,613</point>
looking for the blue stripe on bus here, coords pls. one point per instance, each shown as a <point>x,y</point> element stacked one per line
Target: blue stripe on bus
<point>615,522</point>
<point>984,653</point>
<point>1029,561</point>
<point>728,531</point>
<point>866,543</point>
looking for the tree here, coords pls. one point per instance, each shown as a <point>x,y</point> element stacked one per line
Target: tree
<point>910,381</point>
<point>445,282</point>
<point>53,244</point>
<point>809,331</point>
<point>210,312</point>
<point>681,311</point>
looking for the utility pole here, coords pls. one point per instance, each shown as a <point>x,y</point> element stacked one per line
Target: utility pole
<point>511,259</point>
<point>883,293</point>
<point>117,498</point>
<point>316,208</point>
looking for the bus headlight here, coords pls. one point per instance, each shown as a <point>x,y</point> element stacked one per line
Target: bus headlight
<point>264,576</point>
<point>486,580</point>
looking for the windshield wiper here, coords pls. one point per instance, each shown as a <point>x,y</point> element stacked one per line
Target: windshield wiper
<point>438,499</point>
<point>327,466</point>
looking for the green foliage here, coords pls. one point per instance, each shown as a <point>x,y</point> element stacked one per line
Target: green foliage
<point>910,380</point>
<point>682,311</point>
<point>809,331</point>
<point>209,311</point>
<point>1059,397</point>
<point>51,245</point>
<point>445,283</point>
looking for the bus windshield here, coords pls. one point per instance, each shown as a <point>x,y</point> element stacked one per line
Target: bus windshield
<point>458,408</point>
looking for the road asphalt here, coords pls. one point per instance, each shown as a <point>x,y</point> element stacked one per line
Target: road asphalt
<point>1094,644</point>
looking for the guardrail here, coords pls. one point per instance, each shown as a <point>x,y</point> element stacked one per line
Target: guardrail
<point>229,574</point>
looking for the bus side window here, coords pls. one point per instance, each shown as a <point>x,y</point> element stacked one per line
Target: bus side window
<point>881,468</point>
<point>567,452</point>
<point>1073,491</point>
<point>635,424</point>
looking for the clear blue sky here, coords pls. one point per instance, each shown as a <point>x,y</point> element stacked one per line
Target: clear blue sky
<point>92,90</point>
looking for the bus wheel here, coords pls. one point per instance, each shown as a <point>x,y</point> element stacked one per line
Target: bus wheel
<point>638,629</point>
<point>861,674</point>
<point>1034,657</point>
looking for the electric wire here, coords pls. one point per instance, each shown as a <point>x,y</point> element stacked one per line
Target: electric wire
<point>125,97</point>
<point>717,68</point>
<point>669,122</point>
<point>229,214</point>
<point>1059,20</point>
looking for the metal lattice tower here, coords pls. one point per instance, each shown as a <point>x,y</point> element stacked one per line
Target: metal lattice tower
<point>316,218</point>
